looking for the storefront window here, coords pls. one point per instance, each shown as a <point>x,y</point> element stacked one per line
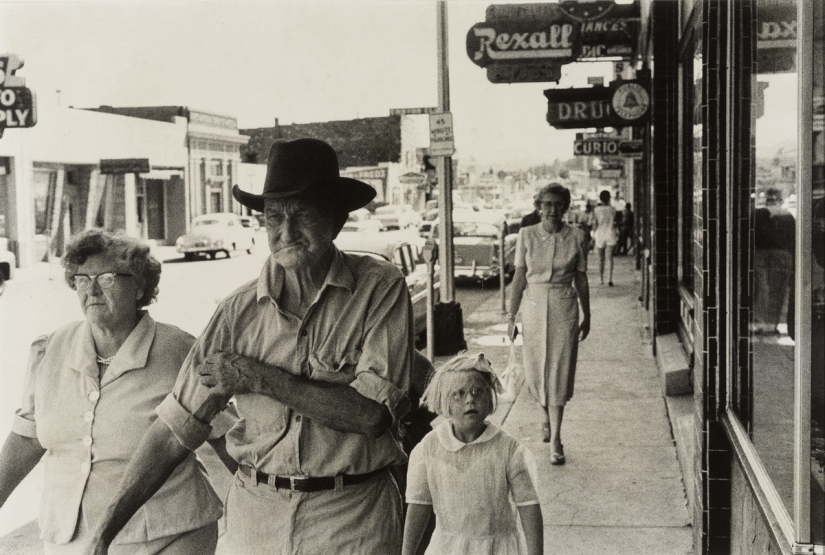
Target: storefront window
<point>43,186</point>
<point>818,282</point>
<point>691,185</point>
<point>769,343</point>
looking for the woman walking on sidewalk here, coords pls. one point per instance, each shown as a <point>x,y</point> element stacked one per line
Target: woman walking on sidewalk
<point>551,275</point>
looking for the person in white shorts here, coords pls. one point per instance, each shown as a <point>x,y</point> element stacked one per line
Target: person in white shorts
<point>605,236</point>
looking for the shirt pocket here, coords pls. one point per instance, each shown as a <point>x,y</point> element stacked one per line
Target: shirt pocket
<point>261,417</point>
<point>333,365</point>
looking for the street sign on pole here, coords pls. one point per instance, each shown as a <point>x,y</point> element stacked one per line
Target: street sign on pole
<point>413,111</point>
<point>441,134</point>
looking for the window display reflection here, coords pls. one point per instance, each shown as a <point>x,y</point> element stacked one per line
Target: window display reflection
<point>773,220</point>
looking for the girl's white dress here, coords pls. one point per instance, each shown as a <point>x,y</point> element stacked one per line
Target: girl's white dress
<point>474,489</point>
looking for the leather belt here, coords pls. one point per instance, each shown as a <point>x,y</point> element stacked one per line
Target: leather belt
<point>308,484</point>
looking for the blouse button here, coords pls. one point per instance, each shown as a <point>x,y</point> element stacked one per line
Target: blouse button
<point>89,416</point>
<point>94,395</point>
<point>87,441</point>
<point>298,418</point>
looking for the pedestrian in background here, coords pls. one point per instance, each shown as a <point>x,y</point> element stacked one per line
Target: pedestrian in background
<point>90,393</point>
<point>532,218</point>
<point>606,235</point>
<point>551,275</point>
<point>774,243</point>
<point>587,225</point>
<point>317,352</point>
<point>626,231</point>
<point>475,477</point>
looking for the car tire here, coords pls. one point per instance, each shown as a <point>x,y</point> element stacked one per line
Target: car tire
<point>211,255</point>
<point>226,251</point>
<point>189,256</point>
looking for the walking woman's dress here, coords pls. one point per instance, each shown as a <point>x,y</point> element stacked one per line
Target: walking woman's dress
<point>550,310</point>
<point>474,489</point>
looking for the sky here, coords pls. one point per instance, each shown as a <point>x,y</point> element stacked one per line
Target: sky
<point>300,62</point>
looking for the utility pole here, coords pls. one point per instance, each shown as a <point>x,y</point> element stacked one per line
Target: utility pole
<point>445,166</point>
<point>449,324</point>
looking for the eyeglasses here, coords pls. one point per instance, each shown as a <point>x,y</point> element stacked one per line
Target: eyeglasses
<point>105,280</point>
<point>461,394</point>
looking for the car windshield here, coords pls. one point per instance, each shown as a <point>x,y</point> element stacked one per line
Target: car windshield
<point>386,210</point>
<point>199,223</point>
<point>474,229</point>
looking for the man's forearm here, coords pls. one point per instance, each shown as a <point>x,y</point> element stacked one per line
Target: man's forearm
<point>157,456</point>
<point>335,406</point>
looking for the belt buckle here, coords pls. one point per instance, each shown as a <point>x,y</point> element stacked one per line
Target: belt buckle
<point>296,481</point>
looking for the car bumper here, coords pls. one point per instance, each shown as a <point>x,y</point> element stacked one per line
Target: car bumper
<point>477,272</point>
<point>199,249</point>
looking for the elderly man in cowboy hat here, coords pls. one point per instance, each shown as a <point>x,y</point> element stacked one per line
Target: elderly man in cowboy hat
<point>317,352</point>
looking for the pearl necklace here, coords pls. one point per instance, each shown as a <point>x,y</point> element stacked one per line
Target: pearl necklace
<point>101,360</point>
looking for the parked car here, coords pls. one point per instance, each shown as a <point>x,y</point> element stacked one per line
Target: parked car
<point>476,247</point>
<point>251,222</point>
<point>7,263</point>
<point>397,216</point>
<point>389,247</point>
<point>362,220</point>
<point>214,233</point>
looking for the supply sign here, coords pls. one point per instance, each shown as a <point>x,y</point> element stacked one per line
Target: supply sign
<point>17,104</point>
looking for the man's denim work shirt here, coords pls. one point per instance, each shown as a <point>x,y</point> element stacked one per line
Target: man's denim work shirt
<point>358,331</point>
<point>91,427</point>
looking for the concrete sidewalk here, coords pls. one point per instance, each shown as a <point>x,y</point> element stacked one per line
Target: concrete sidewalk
<point>621,490</point>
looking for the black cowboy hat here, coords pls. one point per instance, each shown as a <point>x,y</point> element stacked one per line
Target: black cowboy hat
<point>307,169</point>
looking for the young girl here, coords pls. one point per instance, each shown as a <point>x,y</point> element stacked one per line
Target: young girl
<point>472,474</point>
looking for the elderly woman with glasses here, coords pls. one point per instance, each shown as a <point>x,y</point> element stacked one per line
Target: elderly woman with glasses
<point>90,393</point>
<point>551,277</point>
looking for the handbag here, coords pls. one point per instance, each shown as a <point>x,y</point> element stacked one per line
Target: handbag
<point>511,378</point>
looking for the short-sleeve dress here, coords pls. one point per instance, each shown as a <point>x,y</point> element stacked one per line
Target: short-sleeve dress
<point>474,489</point>
<point>550,310</point>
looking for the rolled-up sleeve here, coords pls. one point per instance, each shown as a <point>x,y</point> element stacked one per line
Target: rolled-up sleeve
<point>384,369</point>
<point>177,409</point>
<point>25,423</point>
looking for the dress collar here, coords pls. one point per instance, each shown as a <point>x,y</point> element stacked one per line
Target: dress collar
<point>563,232</point>
<point>132,354</point>
<point>447,439</point>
